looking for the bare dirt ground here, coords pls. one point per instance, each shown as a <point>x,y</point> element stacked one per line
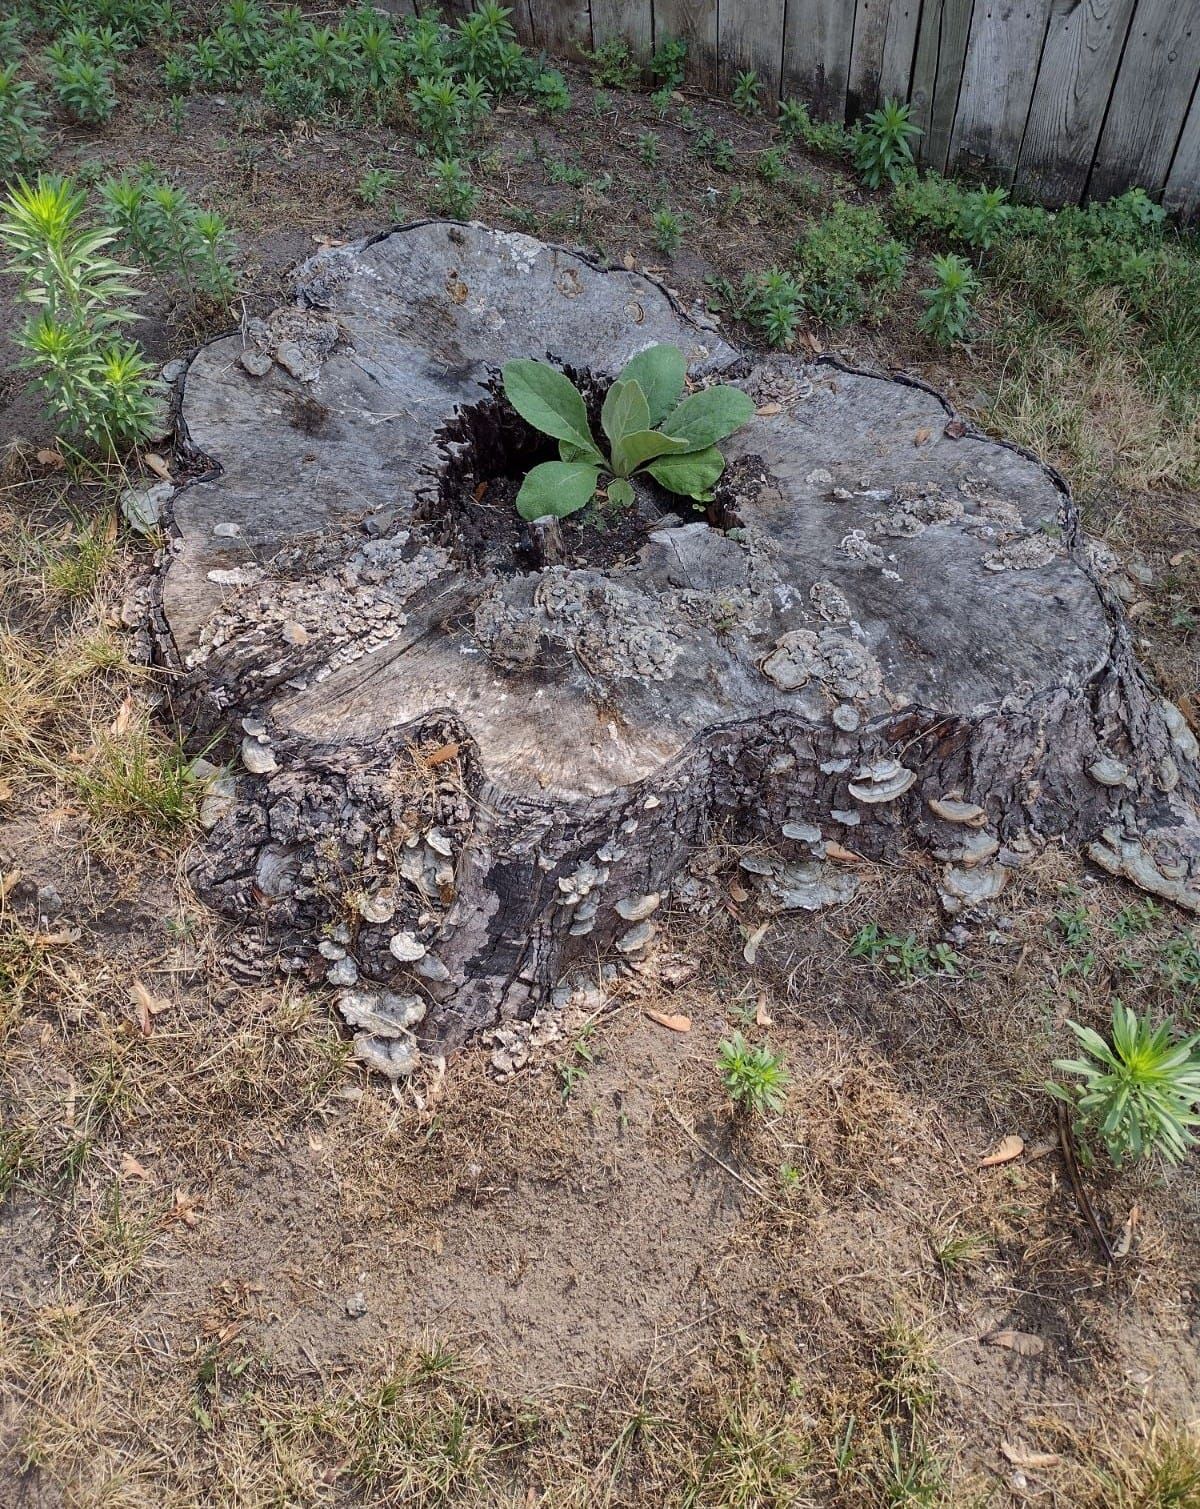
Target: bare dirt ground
<point>236,1272</point>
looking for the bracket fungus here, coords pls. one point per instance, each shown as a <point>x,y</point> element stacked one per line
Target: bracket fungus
<point>473,753</point>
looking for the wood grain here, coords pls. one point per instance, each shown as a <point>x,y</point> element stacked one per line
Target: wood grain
<point>817,42</point>
<point>631,19</point>
<point>1079,63</point>
<point>1182,193</point>
<point>1150,99</point>
<point>937,74</point>
<point>561,26</point>
<point>751,37</point>
<point>881,63</point>
<point>694,22</point>
<point>998,79</point>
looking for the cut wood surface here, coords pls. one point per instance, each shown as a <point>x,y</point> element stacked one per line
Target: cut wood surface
<point>466,766</point>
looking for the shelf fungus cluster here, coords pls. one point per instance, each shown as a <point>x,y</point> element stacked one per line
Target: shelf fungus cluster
<point>462,767</point>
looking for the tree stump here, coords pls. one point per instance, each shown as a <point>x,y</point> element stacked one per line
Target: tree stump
<point>475,752</point>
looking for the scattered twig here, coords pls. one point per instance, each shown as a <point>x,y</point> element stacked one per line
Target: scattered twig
<point>749,1184</point>
<point>1086,1209</point>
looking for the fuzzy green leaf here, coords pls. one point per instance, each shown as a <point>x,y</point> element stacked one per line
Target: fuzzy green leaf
<point>692,473</point>
<point>642,446</point>
<point>710,415</point>
<point>558,488</point>
<point>660,372</point>
<point>620,492</point>
<point>625,412</point>
<point>550,402</point>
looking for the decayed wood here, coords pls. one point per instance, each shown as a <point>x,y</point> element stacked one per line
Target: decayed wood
<point>881,64</point>
<point>1182,194</point>
<point>937,75</point>
<point>465,765</point>
<point>1074,81</point>
<point>750,38</point>
<point>1150,99</point>
<point>694,22</point>
<point>1003,49</point>
<point>816,54</point>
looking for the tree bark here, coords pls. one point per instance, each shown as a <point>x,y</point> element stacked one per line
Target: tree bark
<point>471,757</point>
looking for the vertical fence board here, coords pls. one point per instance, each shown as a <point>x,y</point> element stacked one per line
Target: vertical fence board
<point>452,10</point>
<point>816,53</point>
<point>631,19</point>
<point>522,22</point>
<point>941,54</point>
<point>1150,100</point>
<point>695,22</point>
<point>562,26</point>
<point>997,84</point>
<point>751,33</point>
<point>885,34</point>
<point>1182,193</point>
<point>1083,49</point>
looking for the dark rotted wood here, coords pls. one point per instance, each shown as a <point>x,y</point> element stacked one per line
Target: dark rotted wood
<point>471,758</point>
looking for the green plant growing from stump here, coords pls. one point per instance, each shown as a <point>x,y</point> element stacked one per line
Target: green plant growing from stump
<point>646,425</point>
<point>1140,1092</point>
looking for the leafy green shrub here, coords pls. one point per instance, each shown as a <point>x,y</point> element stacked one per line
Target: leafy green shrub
<point>926,205</point>
<point>613,65</point>
<point>846,264</point>
<point>445,109</point>
<point>22,141</point>
<point>645,423</point>
<point>85,90</point>
<point>161,227</point>
<point>982,217</point>
<point>1139,1094</point>
<point>755,1079</point>
<point>95,384</point>
<point>550,93</point>
<point>771,303</point>
<point>883,144</point>
<point>453,192</point>
<point>770,166</point>
<point>668,233</point>
<point>747,92</point>
<point>648,148</point>
<point>948,302</point>
<point>796,124</point>
<point>374,186</point>
<point>669,63</point>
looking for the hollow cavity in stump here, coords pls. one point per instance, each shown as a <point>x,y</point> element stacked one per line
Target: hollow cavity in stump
<point>474,751</point>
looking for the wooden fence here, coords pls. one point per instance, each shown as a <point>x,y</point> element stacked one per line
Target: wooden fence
<point>1061,100</point>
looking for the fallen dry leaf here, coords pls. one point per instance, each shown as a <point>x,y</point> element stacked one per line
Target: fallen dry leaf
<point>762,1017</point>
<point>120,724</point>
<point>1022,1456</point>
<point>813,344</point>
<point>834,850</point>
<point>131,1167</point>
<point>5,791</point>
<point>1125,1241</point>
<point>630,261</point>
<point>1024,1343</point>
<point>146,1006</point>
<point>157,465</point>
<point>750,952</point>
<point>766,410</point>
<point>955,429</point>
<point>671,1023</point>
<point>184,1207</point>
<point>1176,560</point>
<point>738,892</point>
<point>441,754</point>
<point>923,436</point>
<point>52,459</point>
<point>8,879</point>
<point>1005,1151</point>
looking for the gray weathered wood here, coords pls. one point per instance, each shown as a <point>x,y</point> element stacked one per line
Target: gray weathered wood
<point>1074,82</point>
<point>694,22</point>
<point>816,54</point>
<point>465,772</point>
<point>751,37</point>
<point>631,19</point>
<point>1150,99</point>
<point>998,78</point>
<point>881,64</point>
<point>1182,194</point>
<point>941,53</point>
<point>561,26</point>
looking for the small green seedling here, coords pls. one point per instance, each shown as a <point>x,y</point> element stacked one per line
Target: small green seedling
<point>883,148</point>
<point>644,422</point>
<point>747,92</point>
<point>1139,1093</point>
<point>668,232</point>
<point>948,302</point>
<point>755,1078</point>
